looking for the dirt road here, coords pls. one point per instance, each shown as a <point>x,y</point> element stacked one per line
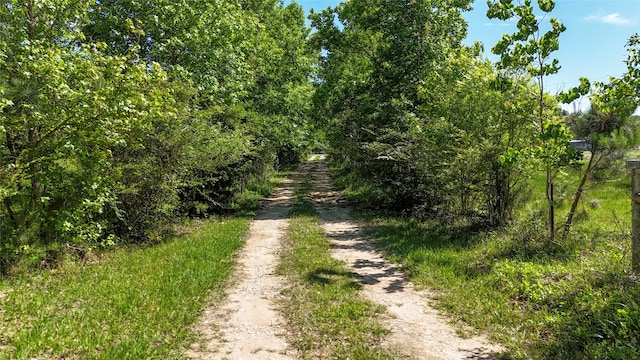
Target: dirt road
<point>248,325</point>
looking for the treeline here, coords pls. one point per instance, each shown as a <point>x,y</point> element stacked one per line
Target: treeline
<point>119,116</point>
<point>420,123</point>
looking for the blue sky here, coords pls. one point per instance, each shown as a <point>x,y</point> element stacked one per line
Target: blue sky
<point>593,45</point>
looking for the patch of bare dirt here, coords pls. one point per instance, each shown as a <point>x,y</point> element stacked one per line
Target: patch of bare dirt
<point>247,325</point>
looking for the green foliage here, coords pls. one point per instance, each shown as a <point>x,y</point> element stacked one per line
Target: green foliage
<point>488,161</point>
<point>543,300</point>
<point>120,116</point>
<point>622,95</point>
<point>608,126</point>
<point>417,122</point>
<point>609,132</point>
<point>529,50</point>
<point>69,105</point>
<point>576,92</point>
<point>526,48</point>
<point>384,93</point>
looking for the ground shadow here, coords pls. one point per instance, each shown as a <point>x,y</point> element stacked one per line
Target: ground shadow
<point>368,266</point>
<point>324,276</point>
<point>369,269</point>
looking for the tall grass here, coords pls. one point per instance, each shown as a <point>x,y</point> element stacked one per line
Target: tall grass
<point>135,303</point>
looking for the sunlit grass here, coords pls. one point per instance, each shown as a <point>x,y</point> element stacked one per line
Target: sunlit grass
<point>543,299</point>
<point>605,206</point>
<point>135,303</point>
<point>327,317</point>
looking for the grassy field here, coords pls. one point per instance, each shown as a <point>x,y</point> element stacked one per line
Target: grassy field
<point>327,317</point>
<point>131,304</point>
<point>573,299</point>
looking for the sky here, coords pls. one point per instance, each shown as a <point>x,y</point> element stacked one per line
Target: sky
<point>593,46</point>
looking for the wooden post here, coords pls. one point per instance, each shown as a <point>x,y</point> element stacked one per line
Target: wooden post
<point>634,165</point>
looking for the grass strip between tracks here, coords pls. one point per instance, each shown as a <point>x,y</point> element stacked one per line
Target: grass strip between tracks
<point>324,311</point>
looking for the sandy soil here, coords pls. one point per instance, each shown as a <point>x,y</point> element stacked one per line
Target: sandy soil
<point>248,326</point>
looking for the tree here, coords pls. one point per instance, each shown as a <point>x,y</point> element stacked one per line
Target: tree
<point>282,93</point>
<point>241,104</point>
<point>67,105</point>
<point>493,116</point>
<point>118,116</point>
<point>622,95</point>
<point>382,69</point>
<point>529,50</point>
<point>608,137</point>
<point>606,126</point>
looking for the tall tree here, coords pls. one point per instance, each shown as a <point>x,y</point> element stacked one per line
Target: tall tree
<point>529,49</point>
<point>118,115</point>
<point>67,105</point>
<point>229,58</point>
<point>377,83</point>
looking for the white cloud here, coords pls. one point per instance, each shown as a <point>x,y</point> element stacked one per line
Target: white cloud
<point>499,24</point>
<point>611,19</point>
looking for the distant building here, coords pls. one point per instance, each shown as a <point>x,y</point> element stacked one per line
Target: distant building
<point>580,145</point>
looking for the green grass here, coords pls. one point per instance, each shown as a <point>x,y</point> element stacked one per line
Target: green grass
<point>605,206</point>
<point>544,300</point>
<point>135,303</point>
<point>326,315</point>
<point>247,202</point>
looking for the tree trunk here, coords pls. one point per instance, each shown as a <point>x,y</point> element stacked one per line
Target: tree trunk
<point>12,215</point>
<point>500,204</point>
<point>576,197</point>
<point>37,188</point>
<point>552,206</point>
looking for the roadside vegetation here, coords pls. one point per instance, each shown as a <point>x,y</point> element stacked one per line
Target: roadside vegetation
<point>467,176</point>
<point>573,299</point>
<point>121,119</point>
<point>131,303</point>
<point>326,316</point>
